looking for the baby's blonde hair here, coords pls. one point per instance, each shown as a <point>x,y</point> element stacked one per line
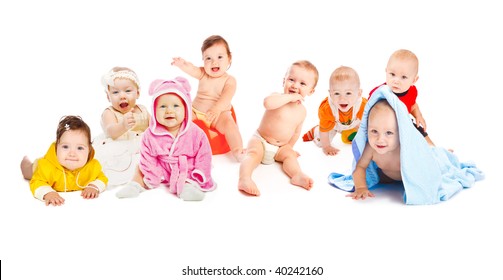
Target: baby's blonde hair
<point>381,105</point>
<point>406,55</point>
<point>344,73</point>
<point>309,66</point>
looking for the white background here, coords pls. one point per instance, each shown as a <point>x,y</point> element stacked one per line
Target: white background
<point>53,54</point>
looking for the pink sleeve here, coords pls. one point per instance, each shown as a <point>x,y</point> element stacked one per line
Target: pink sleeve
<point>149,166</point>
<point>202,163</point>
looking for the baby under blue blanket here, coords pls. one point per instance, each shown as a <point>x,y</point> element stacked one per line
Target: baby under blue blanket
<point>429,174</point>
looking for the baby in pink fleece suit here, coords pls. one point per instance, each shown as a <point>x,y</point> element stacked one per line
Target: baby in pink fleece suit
<point>174,152</point>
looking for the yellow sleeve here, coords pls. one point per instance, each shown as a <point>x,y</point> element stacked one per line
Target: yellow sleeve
<point>99,178</point>
<point>42,176</point>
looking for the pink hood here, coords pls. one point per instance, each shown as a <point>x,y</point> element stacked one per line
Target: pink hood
<point>179,86</point>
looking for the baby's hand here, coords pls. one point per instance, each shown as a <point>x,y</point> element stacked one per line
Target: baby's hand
<point>53,198</point>
<point>420,122</point>
<point>297,98</point>
<point>212,115</point>
<point>128,121</point>
<point>360,193</point>
<point>90,192</point>
<point>330,151</point>
<point>178,61</point>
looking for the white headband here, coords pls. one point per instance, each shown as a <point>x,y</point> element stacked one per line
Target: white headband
<point>109,78</point>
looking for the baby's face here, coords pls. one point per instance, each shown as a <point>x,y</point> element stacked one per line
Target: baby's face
<point>123,95</point>
<point>72,149</point>
<point>383,130</point>
<point>299,80</point>
<point>170,112</point>
<point>401,74</point>
<point>216,60</point>
<point>345,94</point>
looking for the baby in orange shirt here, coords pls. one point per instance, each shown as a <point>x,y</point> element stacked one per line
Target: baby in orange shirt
<point>340,112</point>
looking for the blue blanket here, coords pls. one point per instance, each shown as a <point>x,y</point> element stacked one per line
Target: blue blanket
<point>429,174</point>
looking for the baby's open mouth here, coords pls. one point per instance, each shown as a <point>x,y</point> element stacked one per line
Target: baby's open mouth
<point>124,105</point>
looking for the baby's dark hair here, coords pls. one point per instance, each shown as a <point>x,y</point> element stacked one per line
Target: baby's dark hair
<point>73,123</point>
<point>216,39</point>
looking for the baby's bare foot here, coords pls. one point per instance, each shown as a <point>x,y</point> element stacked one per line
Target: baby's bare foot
<point>27,168</point>
<point>302,180</point>
<point>248,186</point>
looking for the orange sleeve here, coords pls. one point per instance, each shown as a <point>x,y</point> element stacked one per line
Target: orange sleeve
<point>362,108</point>
<point>327,120</point>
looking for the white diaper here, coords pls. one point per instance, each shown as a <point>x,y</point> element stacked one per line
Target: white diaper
<point>270,150</point>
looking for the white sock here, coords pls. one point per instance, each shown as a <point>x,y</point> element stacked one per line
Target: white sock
<point>191,192</point>
<point>131,189</point>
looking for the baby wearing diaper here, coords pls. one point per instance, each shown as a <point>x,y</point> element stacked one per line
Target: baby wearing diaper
<point>280,128</point>
<point>123,123</point>
<point>270,150</point>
